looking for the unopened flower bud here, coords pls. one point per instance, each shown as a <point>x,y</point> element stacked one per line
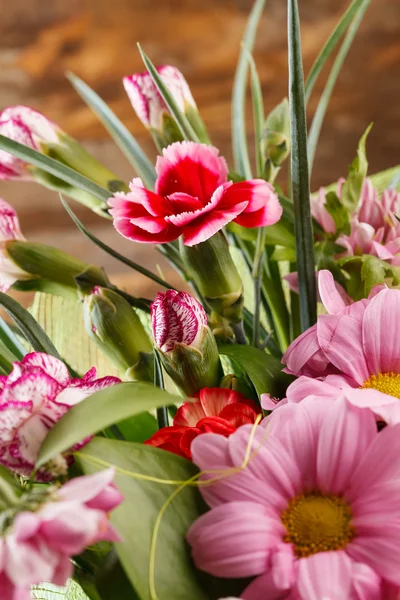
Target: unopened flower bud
<point>212,268</point>
<point>275,143</point>
<point>185,343</point>
<point>115,327</point>
<point>31,128</point>
<point>154,113</point>
<point>21,260</point>
<point>237,385</point>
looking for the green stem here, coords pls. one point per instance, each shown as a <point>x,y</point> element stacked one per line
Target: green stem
<point>162,411</point>
<point>257,276</point>
<point>239,333</point>
<point>273,293</point>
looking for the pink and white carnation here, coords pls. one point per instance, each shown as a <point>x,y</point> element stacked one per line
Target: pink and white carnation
<point>310,505</point>
<point>38,546</point>
<point>374,227</point>
<point>28,127</point>
<point>354,349</point>
<point>177,318</point>
<point>33,397</point>
<point>9,230</point>
<point>192,198</point>
<point>146,99</point>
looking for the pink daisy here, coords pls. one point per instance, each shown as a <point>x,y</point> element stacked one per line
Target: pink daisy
<point>356,348</point>
<point>314,515</point>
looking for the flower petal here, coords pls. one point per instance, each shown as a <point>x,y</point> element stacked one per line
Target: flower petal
<point>304,355</point>
<point>263,206</point>
<point>50,365</point>
<point>9,223</point>
<point>263,587</point>
<point>328,292</point>
<point>381,338</point>
<point>378,548</point>
<point>234,540</point>
<point>325,575</point>
<point>195,169</point>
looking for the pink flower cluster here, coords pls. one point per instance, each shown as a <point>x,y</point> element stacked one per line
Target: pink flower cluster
<point>38,545</point>
<point>192,198</point>
<point>374,227</point>
<point>33,397</point>
<point>309,507</point>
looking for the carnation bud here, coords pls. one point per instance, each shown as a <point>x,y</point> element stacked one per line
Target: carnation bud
<point>42,265</point>
<point>154,113</point>
<point>115,327</point>
<point>29,127</point>
<point>211,267</point>
<point>185,343</point>
<point>275,142</point>
<point>237,385</point>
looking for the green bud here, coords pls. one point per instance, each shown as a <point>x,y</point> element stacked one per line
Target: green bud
<point>275,141</point>
<point>114,326</point>
<point>41,262</point>
<point>237,385</point>
<point>212,269</point>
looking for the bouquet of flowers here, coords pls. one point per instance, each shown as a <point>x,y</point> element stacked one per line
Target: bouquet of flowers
<point>230,441</point>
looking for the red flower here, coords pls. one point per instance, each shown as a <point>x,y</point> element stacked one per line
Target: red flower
<point>192,198</point>
<point>217,410</point>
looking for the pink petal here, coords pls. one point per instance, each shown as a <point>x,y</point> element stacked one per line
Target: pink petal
<point>86,488</point>
<point>12,167</point>
<point>50,365</point>
<point>195,169</point>
<point>40,127</point>
<point>234,540</point>
<point>263,587</point>
<point>9,223</point>
<point>345,437</point>
<point>378,548</point>
<point>366,583</point>
<point>282,566</point>
<point>325,575</point>
<point>306,386</point>
<point>386,408</point>
<point>340,338</point>
<point>137,234</point>
<point>156,205</point>
<point>263,204</point>
<point>304,355</point>
<point>328,292</point>
<point>381,338</point>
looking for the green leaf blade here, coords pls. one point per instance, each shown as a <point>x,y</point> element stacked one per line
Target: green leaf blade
<point>239,140</point>
<point>299,174</point>
<point>98,412</point>
<point>53,167</point>
<point>117,130</point>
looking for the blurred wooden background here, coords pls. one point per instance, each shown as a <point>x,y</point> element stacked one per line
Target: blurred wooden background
<point>96,39</point>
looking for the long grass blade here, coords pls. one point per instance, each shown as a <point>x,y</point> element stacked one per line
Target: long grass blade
<point>258,113</point>
<point>117,130</point>
<point>54,167</point>
<point>239,140</point>
<point>180,119</point>
<point>318,119</point>
<point>130,263</point>
<point>299,173</point>
<point>330,46</point>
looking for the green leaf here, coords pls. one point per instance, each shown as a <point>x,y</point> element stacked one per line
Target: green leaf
<point>11,341</point>
<point>99,411</point>
<point>53,167</point>
<point>364,272</point>
<point>135,518</point>
<point>319,115</point>
<point>28,326</point>
<point>139,428</point>
<point>299,174</point>
<point>279,234</point>
<point>258,113</point>
<point>120,134</point>
<point>352,187</point>
<point>330,45</point>
<point>264,371</point>
<point>126,261</point>
<point>338,212</point>
<point>180,119</point>
<point>239,141</point>
<point>282,253</point>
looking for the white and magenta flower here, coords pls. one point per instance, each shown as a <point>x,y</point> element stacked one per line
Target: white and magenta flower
<point>146,99</point>
<point>355,350</point>
<point>177,318</point>
<point>9,230</point>
<point>38,546</point>
<point>26,126</point>
<point>313,513</point>
<point>192,198</point>
<point>374,227</point>
<point>212,410</point>
<point>33,397</point>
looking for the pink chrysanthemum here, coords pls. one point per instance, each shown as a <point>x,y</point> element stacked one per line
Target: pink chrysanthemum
<point>315,513</point>
<point>33,397</point>
<point>192,198</point>
<point>355,348</point>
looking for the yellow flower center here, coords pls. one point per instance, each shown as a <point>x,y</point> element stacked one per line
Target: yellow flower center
<point>387,383</point>
<point>317,522</point>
